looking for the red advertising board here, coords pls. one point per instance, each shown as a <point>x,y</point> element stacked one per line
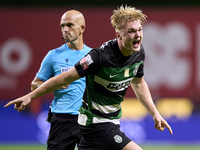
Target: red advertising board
<point>171,41</point>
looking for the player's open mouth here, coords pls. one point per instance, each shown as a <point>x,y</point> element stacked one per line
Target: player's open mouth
<point>136,43</point>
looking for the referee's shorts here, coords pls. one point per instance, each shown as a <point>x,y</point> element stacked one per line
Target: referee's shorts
<point>64,132</point>
<point>102,136</point>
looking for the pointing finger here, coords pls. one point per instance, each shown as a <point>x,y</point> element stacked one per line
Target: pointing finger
<point>10,103</point>
<point>169,128</point>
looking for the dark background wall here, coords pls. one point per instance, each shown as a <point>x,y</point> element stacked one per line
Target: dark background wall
<point>51,3</point>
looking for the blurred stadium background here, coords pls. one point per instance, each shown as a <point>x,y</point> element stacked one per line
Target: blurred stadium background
<point>29,29</point>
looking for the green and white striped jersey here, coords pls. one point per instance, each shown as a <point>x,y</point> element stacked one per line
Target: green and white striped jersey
<point>108,76</point>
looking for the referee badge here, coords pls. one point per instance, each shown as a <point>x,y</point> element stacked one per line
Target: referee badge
<point>118,139</point>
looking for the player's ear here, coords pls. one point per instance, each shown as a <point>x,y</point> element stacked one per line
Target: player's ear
<point>118,36</point>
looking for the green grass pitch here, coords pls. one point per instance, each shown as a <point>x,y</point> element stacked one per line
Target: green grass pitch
<point>145,147</point>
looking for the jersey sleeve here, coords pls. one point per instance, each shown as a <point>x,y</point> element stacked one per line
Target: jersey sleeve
<point>46,69</point>
<point>140,72</point>
<point>90,64</point>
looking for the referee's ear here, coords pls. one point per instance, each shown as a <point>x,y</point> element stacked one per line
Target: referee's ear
<point>82,29</point>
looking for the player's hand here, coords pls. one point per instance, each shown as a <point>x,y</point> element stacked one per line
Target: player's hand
<point>20,103</point>
<point>160,124</point>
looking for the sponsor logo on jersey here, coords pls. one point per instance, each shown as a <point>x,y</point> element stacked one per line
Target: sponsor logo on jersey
<point>118,139</point>
<point>66,60</point>
<point>114,86</point>
<point>86,61</point>
<point>117,86</point>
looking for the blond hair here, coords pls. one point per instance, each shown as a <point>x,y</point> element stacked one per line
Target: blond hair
<point>123,15</point>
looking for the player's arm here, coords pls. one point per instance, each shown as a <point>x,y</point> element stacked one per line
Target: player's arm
<point>50,85</point>
<point>142,92</point>
<point>37,82</point>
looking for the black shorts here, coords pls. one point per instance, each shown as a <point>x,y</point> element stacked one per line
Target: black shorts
<point>102,136</point>
<point>64,132</point>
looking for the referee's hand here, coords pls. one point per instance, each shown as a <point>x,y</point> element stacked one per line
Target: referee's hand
<point>20,103</point>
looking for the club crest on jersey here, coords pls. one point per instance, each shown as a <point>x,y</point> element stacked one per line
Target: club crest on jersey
<point>118,139</point>
<point>86,61</point>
